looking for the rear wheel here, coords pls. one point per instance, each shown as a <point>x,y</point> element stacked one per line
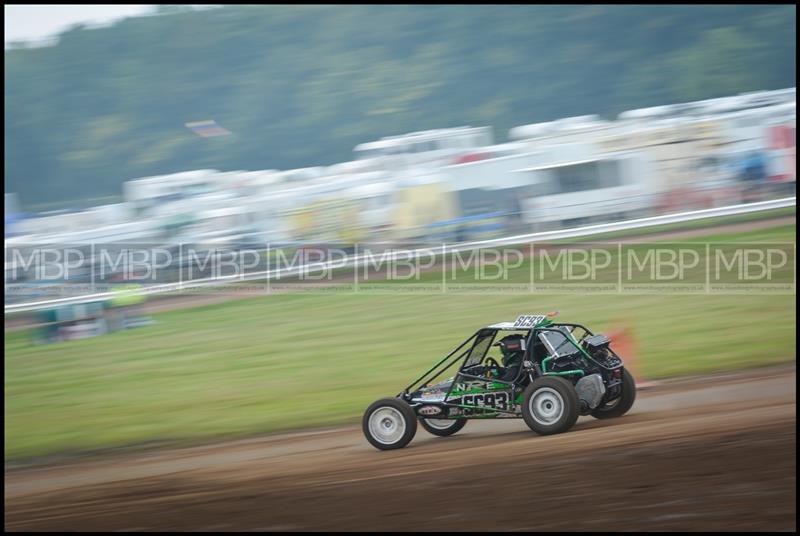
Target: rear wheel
<point>443,427</point>
<point>389,424</point>
<point>550,405</point>
<point>620,405</point>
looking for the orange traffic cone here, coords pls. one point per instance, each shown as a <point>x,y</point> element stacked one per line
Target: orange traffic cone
<point>624,344</point>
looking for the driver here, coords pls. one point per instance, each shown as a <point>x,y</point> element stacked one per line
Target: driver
<point>513,349</point>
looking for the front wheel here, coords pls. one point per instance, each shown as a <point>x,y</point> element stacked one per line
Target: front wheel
<point>620,405</point>
<point>389,424</point>
<point>550,405</point>
<point>443,427</point>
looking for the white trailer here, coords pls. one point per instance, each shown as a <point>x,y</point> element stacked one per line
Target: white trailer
<point>612,187</point>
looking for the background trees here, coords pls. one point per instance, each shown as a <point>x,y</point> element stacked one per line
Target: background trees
<point>302,85</point>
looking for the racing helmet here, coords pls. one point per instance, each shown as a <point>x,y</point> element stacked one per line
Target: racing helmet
<point>511,346</point>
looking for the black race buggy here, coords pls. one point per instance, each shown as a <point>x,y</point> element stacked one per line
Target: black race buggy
<point>549,374</point>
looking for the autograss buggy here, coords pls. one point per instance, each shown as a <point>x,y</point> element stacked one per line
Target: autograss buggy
<point>549,375</point>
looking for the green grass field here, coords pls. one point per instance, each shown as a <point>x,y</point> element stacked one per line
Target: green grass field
<point>299,360</point>
<point>695,224</point>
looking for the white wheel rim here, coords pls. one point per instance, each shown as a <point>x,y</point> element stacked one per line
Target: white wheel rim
<point>387,425</point>
<point>546,406</point>
<point>440,424</point>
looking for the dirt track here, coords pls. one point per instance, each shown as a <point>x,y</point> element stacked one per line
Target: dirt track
<point>710,453</point>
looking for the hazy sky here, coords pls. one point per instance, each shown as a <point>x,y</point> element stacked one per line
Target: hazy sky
<point>35,22</point>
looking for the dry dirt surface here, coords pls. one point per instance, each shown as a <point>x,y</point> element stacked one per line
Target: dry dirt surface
<point>708,453</point>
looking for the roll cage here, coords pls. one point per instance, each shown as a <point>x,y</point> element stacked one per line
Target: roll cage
<point>540,351</point>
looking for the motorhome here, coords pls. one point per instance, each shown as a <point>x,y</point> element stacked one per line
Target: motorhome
<point>429,148</point>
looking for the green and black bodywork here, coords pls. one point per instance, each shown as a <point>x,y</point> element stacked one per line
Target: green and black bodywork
<point>561,371</point>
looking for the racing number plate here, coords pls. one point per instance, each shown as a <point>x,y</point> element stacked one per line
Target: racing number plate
<point>480,403</point>
<point>529,321</point>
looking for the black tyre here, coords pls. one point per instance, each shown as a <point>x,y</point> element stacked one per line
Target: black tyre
<point>389,424</point>
<point>442,427</point>
<point>550,405</point>
<point>620,405</point>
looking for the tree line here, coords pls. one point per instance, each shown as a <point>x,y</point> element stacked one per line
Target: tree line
<point>300,86</point>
